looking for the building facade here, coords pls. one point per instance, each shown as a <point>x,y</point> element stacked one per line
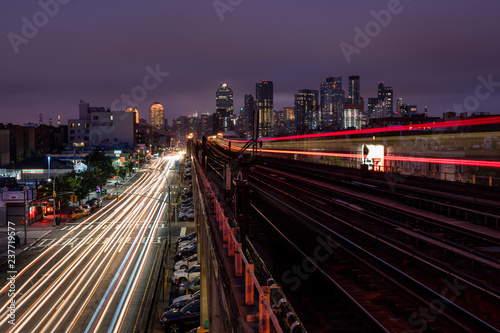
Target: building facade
<point>332,101</point>
<point>100,127</point>
<point>224,113</point>
<point>264,99</point>
<point>157,115</point>
<point>307,110</point>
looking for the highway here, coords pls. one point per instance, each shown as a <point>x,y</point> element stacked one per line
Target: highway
<point>92,275</point>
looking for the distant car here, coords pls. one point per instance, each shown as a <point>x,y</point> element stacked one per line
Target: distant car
<point>190,287</point>
<point>187,275</point>
<point>78,213</point>
<point>85,208</point>
<point>97,202</point>
<point>91,204</point>
<point>187,237</point>
<point>107,197</point>
<point>180,321</point>
<point>186,263</point>
<point>184,216</point>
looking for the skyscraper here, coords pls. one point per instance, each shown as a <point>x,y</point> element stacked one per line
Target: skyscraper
<point>156,115</point>
<point>224,108</point>
<point>248,114</point>
<point>264,104</point>
<point>354,96</point>
<point>307,110</point>
<point>385,92</point>
<point>332,100</point>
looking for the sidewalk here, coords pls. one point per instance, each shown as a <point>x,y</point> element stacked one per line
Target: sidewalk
<point>35,231</point>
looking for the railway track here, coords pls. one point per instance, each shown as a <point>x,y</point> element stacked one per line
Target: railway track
<point>390,263</point>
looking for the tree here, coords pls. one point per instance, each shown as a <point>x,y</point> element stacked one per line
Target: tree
<point>98,160</point>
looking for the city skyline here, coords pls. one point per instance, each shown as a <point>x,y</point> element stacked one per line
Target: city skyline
<point>64,59</point>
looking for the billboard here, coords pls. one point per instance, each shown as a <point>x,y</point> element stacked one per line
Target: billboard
<point>373,156</point>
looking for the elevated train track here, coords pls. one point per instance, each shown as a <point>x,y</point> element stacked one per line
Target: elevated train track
<point>392,276</point>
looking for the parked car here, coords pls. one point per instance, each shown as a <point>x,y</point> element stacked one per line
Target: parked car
<point>186,275</point>
<point>180,321</point>
<point>78,213</point>
<point>186,208</point>
<point>186,263</point>
<point>186,201</point>
<point>181,301</point>
<point>187,252</point>
<point>187,237</point>
<point>184,245</point>
<point>190,287</point>
<point>184,216</point>
<point>187,241</point>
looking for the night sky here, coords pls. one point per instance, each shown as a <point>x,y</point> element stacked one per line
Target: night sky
<point>431,52</point>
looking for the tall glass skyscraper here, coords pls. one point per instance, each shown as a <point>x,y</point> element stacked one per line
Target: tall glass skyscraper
<point>224,108</point>
<point>307,110</point>
<point>354,96</point>
<point>264,93</point>
<point>332,101</point>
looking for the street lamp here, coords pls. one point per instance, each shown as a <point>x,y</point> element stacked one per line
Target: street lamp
<point>48,157</point>
<point>54,198</point>
<point>25,192</point>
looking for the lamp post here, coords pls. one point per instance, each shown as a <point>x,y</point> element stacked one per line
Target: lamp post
<point>54,198</point>
<point>25,192</point>
<point>48,157</point>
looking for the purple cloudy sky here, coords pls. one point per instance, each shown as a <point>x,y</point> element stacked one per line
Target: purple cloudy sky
<point>431,52</point>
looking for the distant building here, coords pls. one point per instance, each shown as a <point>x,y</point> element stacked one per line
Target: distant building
<point>307,110</point>
<point>264,100</point>
<point>136,113</point>
<point>332,101</point>
<point>248,115</point>
<point>353,116</point>
<point>289,120</point>
<point>224,108</point>
<point>100,127</point>
<point>354,92</point>
<point>157,115</point>
<point>372,102</point>
<point>386,93</point>
<point>4,147</point>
